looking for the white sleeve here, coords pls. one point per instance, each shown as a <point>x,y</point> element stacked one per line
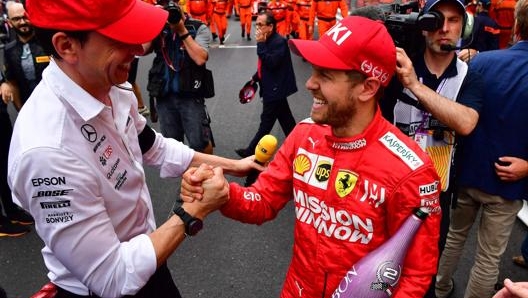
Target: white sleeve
<point>75,225</point>
<point>172,157</point>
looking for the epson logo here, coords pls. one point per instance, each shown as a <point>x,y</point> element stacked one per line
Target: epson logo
<point>55,205</point>
<point>48,181</point>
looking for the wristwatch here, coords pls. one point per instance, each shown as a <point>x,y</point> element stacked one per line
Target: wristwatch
<point>192,224</point>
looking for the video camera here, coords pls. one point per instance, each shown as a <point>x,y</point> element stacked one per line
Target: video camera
<point>405,24</point>
<point>175,12</point>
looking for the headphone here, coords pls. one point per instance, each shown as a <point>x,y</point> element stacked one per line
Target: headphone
<point>467,26</point>
<point>434,20</point>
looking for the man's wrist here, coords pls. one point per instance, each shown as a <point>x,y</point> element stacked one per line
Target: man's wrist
<point>184,36</point>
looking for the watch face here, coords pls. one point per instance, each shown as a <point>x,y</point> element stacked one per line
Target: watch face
<point>194,226</point>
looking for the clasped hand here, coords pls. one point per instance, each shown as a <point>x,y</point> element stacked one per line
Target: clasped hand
<point>206,186</point>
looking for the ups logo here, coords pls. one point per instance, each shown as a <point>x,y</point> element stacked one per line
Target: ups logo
<point>322,172</point>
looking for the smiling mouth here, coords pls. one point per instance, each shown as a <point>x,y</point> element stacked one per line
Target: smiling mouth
<point>319,101</point>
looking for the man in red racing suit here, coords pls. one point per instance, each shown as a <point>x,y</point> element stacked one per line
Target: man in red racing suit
<point>352,192</point>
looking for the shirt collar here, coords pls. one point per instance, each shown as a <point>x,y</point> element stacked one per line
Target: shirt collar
<point>451,70</point>
<point>81,101</point>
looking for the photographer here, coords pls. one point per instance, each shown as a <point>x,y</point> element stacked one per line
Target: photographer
<point>436,97</point>
<point>177,69</point>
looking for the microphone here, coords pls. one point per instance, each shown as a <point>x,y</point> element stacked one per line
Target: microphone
<point>450,47</point>
<point>263,153</point>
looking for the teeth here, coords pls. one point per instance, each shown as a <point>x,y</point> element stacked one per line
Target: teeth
<point>319,101</point>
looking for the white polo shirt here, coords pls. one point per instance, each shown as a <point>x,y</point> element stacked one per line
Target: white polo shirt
<point>76,166</point>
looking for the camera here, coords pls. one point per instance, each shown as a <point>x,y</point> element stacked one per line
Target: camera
<point>405,24</point>
<point>175,12</point>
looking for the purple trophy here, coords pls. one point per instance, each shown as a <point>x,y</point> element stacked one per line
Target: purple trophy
<point>377,274</point>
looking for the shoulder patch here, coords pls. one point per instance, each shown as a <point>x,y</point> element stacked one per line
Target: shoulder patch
<point>401,150</point>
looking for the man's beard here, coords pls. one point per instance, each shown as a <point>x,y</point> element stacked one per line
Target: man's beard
<point>338,116</point>
<point>24,33</point>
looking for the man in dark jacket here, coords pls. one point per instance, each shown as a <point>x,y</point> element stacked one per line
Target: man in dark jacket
<point>276,79</point>
<point>24,58</point>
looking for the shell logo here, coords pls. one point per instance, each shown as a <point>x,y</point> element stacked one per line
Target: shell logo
<point>302,164</point>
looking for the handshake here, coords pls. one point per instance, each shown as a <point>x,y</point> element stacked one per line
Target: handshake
<point>204,190</point>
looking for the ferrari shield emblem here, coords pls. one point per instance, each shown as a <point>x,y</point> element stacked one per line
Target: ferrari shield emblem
<point>345,182</point>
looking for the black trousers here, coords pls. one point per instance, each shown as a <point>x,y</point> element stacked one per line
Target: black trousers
<point>160,285</point>
<point>271,112</point>
<point>6,131</point>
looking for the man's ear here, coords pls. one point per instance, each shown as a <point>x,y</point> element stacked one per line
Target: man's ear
<point>370,89</point>
<point>66,46</point>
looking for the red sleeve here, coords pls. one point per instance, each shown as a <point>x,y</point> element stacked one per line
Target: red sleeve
<point>421,188</point>
<point>268,195</point>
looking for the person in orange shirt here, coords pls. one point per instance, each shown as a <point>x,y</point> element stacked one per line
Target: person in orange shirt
<point>293,19</point>
<point>245,9</point>
<point>502,11</point>
<point>210,6</point>
<point>325,11</point>
<point>229,9</point>
<point>220,18</point>
<point>302,9</point>
<point>279,10</point>
<point>198,10</point>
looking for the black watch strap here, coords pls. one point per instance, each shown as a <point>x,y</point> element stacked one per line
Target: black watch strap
<point>192,224</point>
<point>184,36</point>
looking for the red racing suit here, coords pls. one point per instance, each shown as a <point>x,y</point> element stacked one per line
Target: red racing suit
<point>350,196</point>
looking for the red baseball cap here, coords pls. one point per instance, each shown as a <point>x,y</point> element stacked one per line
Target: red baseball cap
<point>354,43</point>
<point>128,21</point>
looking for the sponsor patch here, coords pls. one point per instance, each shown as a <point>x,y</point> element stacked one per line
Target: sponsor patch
<point>374,193</point>
<point>89,133</point>
<point>42,59</point>
<point>322,171</point>
<point>428,189</point>
<point>357,144</point>
<point>401,150</point>
<point>48,181</point>
<point>345,182</point>
<point>59,217</point>
<point>312,168</point>
<point>52,193</point>
<point>432,204</point>
<point>55,204</point>
<point>332,222</point>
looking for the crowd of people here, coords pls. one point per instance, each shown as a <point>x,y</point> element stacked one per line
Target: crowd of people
<point>392,131</point>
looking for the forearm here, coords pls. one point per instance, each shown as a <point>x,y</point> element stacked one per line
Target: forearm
<point>228,165</point>
<point>460,118</point>
<point>197,53</point>
<point>167,238</point>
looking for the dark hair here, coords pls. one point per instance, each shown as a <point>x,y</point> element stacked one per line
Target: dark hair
<point>2,293</point>
<point>45,36</point>
<point>270,19</point>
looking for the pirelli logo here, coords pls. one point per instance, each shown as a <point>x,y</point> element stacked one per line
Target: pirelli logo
<point>55,205</point>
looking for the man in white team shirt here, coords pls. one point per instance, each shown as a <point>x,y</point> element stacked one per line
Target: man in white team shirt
<point>77,154</point>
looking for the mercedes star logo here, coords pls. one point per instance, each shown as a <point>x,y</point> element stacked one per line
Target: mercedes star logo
<point>89,133</point>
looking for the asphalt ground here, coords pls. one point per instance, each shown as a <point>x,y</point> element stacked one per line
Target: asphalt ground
<point>227,259</point>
